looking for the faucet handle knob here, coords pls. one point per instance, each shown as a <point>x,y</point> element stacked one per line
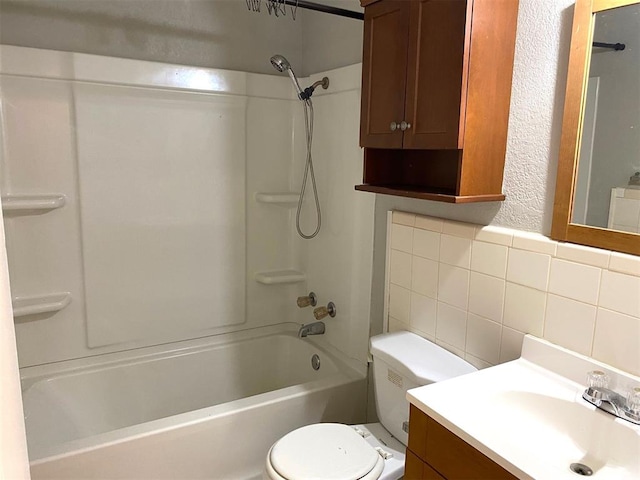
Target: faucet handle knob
<point>597,379</point>
<point>308,300</point>
<point>633,401</point>
<point>322,312</point>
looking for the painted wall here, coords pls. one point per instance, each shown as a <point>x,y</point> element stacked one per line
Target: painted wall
<point>535,123</point>
<point>329,41</point>
<point>13,445</point>
<point>207,33</point>
<point>616,141</point>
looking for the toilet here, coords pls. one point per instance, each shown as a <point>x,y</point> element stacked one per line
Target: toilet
<point>334,451</point>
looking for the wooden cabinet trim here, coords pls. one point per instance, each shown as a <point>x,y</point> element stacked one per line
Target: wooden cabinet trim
<point>445,453</point>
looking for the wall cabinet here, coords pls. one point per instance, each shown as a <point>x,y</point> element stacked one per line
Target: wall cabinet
<point>435,453</point>
<point>436,90</point>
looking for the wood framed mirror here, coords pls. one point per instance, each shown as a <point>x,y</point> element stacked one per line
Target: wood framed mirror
<point>575,193</point>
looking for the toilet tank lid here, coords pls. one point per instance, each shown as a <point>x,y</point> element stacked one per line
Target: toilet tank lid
<point>417,357</point>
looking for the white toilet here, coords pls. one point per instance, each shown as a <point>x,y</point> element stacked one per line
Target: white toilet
<point>334,451</point>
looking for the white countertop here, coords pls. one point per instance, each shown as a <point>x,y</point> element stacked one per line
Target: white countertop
<point>529,416</point>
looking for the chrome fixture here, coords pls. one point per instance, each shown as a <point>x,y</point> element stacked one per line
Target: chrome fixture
<point>315,328</point>
<point>310,299</point>
<point>598,394</point>
<point>282,65</point>
<point>322,312</point>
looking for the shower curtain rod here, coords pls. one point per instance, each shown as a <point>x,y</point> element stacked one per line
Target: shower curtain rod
<point>613,46</point>
<point>325,9</point>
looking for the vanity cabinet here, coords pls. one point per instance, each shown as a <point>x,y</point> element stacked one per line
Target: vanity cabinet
<point>436,87</point>
<point>436,453</point>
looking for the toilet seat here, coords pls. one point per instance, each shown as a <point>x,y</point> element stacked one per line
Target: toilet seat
<point>323,451</point>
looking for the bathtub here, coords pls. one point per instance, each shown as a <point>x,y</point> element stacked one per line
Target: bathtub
<point>207,408</point>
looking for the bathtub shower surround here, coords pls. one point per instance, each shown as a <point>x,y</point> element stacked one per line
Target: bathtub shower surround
<point>207,408</point>
<point>148,203</point>
<point>476,290</point>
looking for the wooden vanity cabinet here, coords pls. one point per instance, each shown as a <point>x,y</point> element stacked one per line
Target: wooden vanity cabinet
<point>436,87</point>
<point>436,453</point>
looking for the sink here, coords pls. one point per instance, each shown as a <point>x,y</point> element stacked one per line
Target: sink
<point>571,432</point>
<point>529,416</point>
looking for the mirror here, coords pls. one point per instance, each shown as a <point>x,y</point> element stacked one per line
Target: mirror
<point>597,199</point>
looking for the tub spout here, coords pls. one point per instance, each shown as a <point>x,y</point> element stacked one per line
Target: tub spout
<point>315,328</point>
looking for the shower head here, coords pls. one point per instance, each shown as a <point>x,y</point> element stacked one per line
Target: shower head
<point>282,64</point>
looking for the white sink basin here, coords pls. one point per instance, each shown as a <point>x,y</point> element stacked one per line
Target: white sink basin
<point>529,416</point>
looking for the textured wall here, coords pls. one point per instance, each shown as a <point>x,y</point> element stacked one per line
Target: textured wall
<point>206,33</point>
<point>535,123</point>
<point>329,41</point>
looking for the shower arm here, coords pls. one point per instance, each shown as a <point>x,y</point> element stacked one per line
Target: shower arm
<point>306,94</point>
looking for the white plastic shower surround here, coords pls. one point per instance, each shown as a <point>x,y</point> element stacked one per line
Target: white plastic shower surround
<point>207,408</point>
<point>183,169</point>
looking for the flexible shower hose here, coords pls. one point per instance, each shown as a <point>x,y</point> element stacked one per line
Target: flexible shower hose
<point>308,168</point>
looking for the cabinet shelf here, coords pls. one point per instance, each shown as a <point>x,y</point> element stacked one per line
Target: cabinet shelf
<point>279,277</point>
<point>278,198</point>
<point>36,304</point>
<point>32,202</point>
<point>438,196</point>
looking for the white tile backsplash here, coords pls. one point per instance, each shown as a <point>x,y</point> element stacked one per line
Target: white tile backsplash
<point>483,338</point>
<point>423,314</point>
<point>524,309</point>
<point>426,243</point>
<point>400,268</point>
<point>399,303</point>
<point>570,323</point>
<point>489,258</point>
<point>497,235</point>
<point>453,285</point>
<point>617,339</point>
<point>459,229</point>
<point>424,277</point>
<point>402,238</point>
<point>451,325</point>
<point>455,251</point>
<point>620,293</point>
<point>486,296</point>
<point>581,254</point>
<point>574,280</point>
<point>528,268</point>
<point>493,285</point>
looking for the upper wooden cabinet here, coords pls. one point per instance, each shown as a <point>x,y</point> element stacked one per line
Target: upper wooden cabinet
<point>437,81</point>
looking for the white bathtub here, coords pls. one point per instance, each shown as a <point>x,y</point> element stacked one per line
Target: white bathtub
<point>208,408</point>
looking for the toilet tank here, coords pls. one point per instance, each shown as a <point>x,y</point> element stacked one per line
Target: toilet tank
<point>404,360</point>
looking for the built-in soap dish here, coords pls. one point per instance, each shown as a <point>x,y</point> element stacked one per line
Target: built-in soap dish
<point>38,304</point>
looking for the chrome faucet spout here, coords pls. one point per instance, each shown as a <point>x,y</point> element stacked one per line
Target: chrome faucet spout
<point>315,328</point>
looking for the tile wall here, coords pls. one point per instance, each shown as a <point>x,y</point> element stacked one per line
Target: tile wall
<point>477,290</point>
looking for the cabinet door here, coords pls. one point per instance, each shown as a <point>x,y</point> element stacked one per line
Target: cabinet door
<point>384,69</point>
<point>436,73</point>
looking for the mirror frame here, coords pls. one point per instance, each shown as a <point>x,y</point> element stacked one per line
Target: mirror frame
<point>579,61</point>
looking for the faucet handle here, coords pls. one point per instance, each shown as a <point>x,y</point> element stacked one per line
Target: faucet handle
<point>597,379</point>
<point>322,312</point>
<point>308,300</point>
<point>633,402</point>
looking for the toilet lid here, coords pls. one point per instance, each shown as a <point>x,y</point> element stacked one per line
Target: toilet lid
<point>327,451</point>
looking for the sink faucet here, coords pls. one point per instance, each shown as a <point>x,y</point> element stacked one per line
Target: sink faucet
<point>612,402</point>
<point>315,328</point>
